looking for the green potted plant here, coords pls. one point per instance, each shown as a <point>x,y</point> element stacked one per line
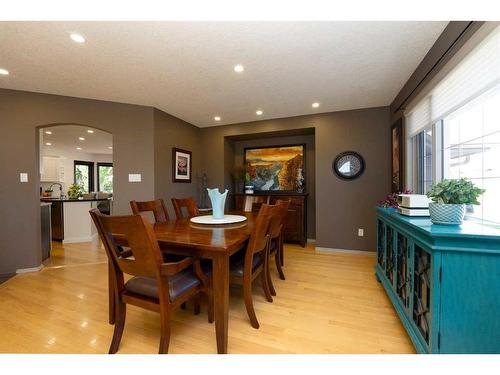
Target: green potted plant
<point>449,200</point>
<point>74,191</point>
<point>249,188</point>
<point>238,176</point>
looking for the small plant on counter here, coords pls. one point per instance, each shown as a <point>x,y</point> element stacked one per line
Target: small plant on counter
<point>449,198</point>
<point>391,201</point>
<point>238,173</point>
<point>75,191</point>
<point>238,176</point>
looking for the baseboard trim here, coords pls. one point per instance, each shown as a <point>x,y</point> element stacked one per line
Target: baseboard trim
<point>344,251</point>
<point>29,270</point>
<point>80,239</point>
<point>311,240</point>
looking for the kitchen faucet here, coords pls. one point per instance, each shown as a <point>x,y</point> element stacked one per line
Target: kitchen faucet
<point>60,188</point>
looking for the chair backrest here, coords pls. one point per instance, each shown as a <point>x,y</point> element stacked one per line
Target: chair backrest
<point>135,232</point>
<point>254,202</point>
<point>157,207</point>
<point>259,238</point>
<point>188,203</point>
<point>278,221</point>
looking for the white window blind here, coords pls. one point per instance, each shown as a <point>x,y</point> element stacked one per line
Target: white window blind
<point>478,72</point>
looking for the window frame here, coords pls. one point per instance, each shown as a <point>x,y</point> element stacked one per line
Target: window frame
<point>102,164</point>
<point>89,164</point>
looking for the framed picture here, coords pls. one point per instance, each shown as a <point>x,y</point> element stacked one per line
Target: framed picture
<point>397,156</point>
<point>276,168</point>
<point>181,165</point>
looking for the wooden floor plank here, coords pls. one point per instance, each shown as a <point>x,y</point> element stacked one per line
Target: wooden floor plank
<point>329,303</point>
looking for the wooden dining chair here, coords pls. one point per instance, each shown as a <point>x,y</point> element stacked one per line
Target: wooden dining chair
<point>189,204</point>
<point>276,240</point>
<point>155,285</point>
<point>123,252</point>
<point>253,203</point>
<point>246,266</point>
<point>159,210</point>
<point>157,207</point>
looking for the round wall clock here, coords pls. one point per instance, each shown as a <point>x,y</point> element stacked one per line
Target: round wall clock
<point>348,165</point>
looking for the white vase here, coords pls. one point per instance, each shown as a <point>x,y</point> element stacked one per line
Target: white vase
<point>218,202</point>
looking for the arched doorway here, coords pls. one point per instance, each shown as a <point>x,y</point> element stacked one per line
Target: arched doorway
<point>76,174</point>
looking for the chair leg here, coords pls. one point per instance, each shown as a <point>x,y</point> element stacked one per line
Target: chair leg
<point>210,306</point>
<point>247,295</point>
<point>196,303</point>
<point>120,311</point>
<point>111,295</point>
<point>282,251</point>
<point>279,262</point>
<point>165,333</point>
<point>270,282</point>
<point>265,285</point>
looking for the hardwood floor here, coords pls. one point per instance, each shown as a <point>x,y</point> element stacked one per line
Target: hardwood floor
<point>329,303</point>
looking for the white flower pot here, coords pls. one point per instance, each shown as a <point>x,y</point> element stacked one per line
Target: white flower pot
<point>447,214</point>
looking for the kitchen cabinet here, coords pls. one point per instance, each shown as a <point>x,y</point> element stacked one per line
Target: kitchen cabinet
<point>443,281</point>
<point>52,169</point>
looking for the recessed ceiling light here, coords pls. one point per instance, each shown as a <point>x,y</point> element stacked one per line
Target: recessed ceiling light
<point>4,72</point>
<point>78,148</point>
<point>77,38</point>
<point>315,105</point>
<point>90,131</point>
<point>48,144</point>
<point>239,68</point>
<point>110,147</point>
<point>81,138</point>
<point>48,132</point>
<point>259,112</point>
<point>217,118</point>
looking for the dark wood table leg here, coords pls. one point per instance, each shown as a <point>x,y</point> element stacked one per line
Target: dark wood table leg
<point>221,300</point>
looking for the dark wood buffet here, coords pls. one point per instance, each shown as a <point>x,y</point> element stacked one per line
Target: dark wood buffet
<point>295,229</point>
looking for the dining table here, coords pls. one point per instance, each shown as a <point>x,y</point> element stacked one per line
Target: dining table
<point>216,242</point>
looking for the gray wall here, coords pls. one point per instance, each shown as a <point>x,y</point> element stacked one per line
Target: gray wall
<point>310,177</point>
<point>169,132</point>
<point>20,115</point>
<point>341,206</point>
<point>142,143</point>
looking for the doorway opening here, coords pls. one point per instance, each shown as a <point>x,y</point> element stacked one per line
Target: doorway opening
<point>76,175</point>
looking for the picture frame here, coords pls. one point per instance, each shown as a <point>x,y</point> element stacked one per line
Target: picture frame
<point>265,154</point>
<point>181,165</point>
<point>397,166</point>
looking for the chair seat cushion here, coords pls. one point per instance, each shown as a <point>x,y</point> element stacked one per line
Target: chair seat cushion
<point>237,264</point>
<point>177,285</point>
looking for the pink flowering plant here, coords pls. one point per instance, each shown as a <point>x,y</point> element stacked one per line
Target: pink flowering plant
<point>391,201</point>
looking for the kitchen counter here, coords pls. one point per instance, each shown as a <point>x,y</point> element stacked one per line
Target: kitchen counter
<point>69,200</point>
<point>70,218</point>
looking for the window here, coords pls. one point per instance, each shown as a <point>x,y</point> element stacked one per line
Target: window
<point>471,148</point>
<point>422,145</point>
<point>84,175</point>
<point>105,177</point>
<point>454,131</point>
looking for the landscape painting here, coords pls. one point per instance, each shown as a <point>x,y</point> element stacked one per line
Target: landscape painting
<point>279,168</point>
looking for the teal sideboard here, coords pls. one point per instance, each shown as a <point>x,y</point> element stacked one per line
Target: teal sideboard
<point>444,281</point>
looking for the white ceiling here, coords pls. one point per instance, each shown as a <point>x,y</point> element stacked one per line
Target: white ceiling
<point>186,68</point>
<point>64,140</point>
